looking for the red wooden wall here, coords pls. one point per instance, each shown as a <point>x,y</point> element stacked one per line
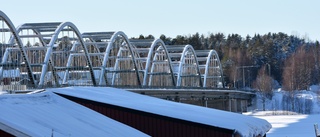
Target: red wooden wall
<point>5,134</point>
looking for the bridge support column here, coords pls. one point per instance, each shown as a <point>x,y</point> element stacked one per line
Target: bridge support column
<point>229,104</point>
<point>241,106</point>
<point>177,99</point>
<point>232,105</point>
<point>235,105</point>
<point>205,101</point>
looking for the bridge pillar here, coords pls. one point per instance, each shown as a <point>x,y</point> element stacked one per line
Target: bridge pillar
<point>235,105</point>
<point>205,101</point>
<point>232,105</point>
<point>177,99</point>
<point>240,103</point>
<point>230,102</point>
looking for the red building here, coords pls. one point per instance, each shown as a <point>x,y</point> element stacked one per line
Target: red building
<point>161,118</point>
<point>49,115</point>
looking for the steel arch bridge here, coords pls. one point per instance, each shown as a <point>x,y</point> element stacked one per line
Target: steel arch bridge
<point>55,54</point>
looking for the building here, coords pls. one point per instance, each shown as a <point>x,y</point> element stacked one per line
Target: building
<point>158,117</point>
<point>47,114</point>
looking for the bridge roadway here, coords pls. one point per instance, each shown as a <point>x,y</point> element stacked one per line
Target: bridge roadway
<point>224,99</point>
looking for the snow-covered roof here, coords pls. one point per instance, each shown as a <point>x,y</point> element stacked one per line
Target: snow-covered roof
<point>47,114</point>
<point>245,125</point>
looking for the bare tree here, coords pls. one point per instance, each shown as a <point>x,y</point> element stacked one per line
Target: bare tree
<point>297,72</point>
<point>263,85</point>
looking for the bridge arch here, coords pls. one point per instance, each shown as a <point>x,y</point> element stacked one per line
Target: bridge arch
<point>59,45</point>
<point>97,43</point>
<point>14,60</point>
<point>125,51</point>
<point>119,63</point>
<point>154,59</point>
<point>185,66</point>
<point>76,49</point>
<point>46,52</point>
<point>35,37</point>
<point>210,68</point>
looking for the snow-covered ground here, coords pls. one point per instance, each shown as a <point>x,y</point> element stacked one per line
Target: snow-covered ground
<point>308,102</point>
<point>288,123</point>
<point>296,125</point>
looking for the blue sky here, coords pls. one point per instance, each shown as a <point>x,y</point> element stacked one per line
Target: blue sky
<point>173,18</point>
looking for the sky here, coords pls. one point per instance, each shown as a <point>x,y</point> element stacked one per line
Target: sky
<point>174,17</point>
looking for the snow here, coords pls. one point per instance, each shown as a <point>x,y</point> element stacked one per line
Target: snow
<point>247,126</point>
<point>47,114</point>
<point>296,125</point>
<point>287,123</point>
<point>308,101</point>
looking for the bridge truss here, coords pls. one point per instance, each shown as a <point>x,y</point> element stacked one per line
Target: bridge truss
<point>55,54</point>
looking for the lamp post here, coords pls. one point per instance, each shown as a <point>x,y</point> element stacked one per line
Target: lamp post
<point>243,76</point>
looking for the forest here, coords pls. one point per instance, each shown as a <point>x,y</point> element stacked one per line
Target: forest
<point>259,61</point>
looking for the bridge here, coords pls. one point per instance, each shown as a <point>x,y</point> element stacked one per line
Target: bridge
<point>56,54</point>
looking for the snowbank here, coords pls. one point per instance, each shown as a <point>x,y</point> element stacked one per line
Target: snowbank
<point>47,114</point>
<point>247,126</point>
<point>306,102</point>
<point>289,125</point>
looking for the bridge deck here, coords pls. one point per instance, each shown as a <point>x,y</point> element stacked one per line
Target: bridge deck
<point>194,93</point>
<point>223,99</point>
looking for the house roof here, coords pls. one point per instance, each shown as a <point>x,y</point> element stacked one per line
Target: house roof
<point>244,125</point>
<point>48,114</point>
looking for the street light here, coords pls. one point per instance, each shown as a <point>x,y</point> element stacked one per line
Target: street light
<point>243,76</point>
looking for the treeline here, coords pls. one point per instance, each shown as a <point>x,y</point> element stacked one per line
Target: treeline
<point>291,61</point>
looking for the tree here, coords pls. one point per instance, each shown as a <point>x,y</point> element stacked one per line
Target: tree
<point>194,40</point>
<point>298,70</point>
<point>272,48</point>
<point>141,36</point>
<point>298,73</point>
<point>166,40</point>
<point>180,40</point>
<point>263,85</point>
<point>149,37</point>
